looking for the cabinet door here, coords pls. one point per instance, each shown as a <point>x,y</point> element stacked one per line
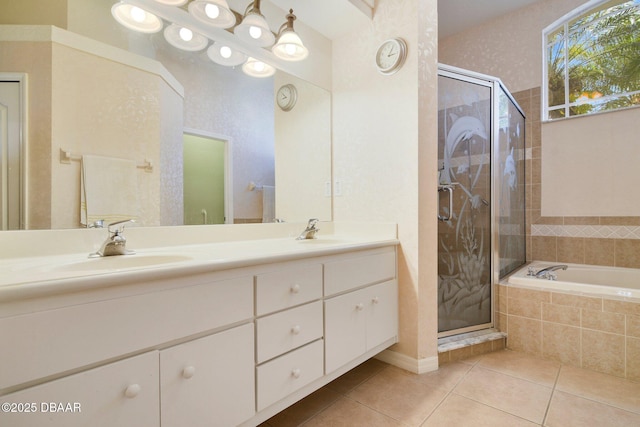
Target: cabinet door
<point>209,381</point>
<point>382,313</point>
<point>345,329</point>
<point>123,394</point>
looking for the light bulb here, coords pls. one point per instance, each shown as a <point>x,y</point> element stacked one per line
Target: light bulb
<point>259,66</point>
<point>212,10</point>
<point>290,49</point>
<point>255,32</point>
<point>186,34</point>
<point>225,52</point>
<point>138,14</point>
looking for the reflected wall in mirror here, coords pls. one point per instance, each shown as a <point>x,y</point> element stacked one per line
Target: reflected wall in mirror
<point>101,89</point>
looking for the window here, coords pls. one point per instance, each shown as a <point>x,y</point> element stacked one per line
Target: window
<point>592,60</point>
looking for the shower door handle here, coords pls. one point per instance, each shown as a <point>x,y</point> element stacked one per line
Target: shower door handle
<point>449,189</point>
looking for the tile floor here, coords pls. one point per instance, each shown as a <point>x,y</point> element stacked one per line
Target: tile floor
<point>503,388</point>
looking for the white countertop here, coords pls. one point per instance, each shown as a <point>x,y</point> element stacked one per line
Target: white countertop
<point>195,249</point>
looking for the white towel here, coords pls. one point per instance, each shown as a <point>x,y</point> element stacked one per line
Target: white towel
<point>268,203</point>
<point>108,190</point>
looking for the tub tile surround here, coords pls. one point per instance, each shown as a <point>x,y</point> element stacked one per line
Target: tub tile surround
<point>502,388</point>
<point>590,332</point>
<point>608,241</point>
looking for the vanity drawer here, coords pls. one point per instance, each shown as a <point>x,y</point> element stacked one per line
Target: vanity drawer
<point>288,287</point>
<point>284,331</point>
<point>81,335</point>
<point>367,269</point>
<point>286,374</point>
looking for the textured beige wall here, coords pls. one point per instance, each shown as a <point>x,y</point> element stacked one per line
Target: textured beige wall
<point>385,160</point>
<point>509,47</point>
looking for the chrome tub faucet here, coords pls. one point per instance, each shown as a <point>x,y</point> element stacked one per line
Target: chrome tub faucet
<point>311,230</point>
<point>116,243</point>
<point>546,273</point>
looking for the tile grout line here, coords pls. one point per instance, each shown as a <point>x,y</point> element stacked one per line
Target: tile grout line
<point>553,391</point>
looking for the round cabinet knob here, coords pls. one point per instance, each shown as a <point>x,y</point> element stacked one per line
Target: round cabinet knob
<point>132,391</point>
<point>295,289</point>
<point>188,372</point>
<point>375,300</point>
<point>296,373</point>
<point>295,330</point>
<point>360,307</point>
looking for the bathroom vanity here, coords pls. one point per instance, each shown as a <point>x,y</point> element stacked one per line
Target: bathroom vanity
<point>221,333</point>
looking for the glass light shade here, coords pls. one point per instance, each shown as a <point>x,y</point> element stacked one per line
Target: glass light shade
<point>184,38</point>
<point>256,68</point>
<point>289,47</point>
<point>224,55</point>
<point>205,11</point>
<point>135,18</point>
<point>172,2</point>
<point>254,30</point>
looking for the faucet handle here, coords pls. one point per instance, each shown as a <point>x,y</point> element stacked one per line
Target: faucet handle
<point>312,223</point>
<point>119,229</point>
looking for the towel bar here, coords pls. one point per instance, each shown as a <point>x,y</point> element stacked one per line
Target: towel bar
<point>67,157</point>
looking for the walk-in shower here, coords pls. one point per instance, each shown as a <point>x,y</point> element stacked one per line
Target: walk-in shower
<point>481,233</point>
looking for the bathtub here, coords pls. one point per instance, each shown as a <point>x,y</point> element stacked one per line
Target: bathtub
<point>583,279</point>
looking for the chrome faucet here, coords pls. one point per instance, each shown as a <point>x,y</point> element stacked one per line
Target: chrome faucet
<point>116,243</point>
<point>310,231</point>
<point>546,273</point>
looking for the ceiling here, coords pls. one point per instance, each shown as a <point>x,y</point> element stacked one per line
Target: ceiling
<point>334,18</point>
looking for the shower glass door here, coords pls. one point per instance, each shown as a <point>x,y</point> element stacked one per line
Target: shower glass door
<point>464,231</point>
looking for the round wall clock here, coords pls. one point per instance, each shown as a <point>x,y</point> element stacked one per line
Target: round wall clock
<point>287,97</point>
<point>391,55</point>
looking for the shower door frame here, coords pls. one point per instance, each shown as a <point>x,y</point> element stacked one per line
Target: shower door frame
<point>495,84</point>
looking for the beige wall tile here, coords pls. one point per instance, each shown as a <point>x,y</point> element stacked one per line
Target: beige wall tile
<point>599,251</point>
<point>627,253</point>
<point>620,220</point>
<point>633,359</point>
<point>570,249</point>
<point>561,343</point>
<point>581,220</point>
<point>497,345</point>
<point>460,354</point>
<point>633,326</point>
<point>503,325</point>
<point>543,248</point>
<point>525,308</point>
<point>604,321</point>
<point>529,294</point>
<point>561,314</point>
<point>624,307</point>
<point>590,303</point>
<point>603,352</point>
<point>443,358</point>
<point>525,335</point>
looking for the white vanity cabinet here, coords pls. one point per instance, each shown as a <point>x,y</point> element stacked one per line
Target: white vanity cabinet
<point>123,394</point>
<point>357,321</point>
<point>211,344</point>
<point>289,331</point>
<point>209,381</point>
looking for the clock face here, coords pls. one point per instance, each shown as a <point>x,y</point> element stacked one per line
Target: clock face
<point>286,97</point>
<point>390,56</point>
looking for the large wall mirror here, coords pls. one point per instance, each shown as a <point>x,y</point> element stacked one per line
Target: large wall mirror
<point>92,87</point>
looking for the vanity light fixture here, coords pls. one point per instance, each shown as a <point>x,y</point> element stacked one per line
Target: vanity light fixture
<point>184,38</point>
<point>256,68</point>
<point>213,12</point>
<point>135,18</point>
<point>224,55</point>
<point>289,45</point>
<point>254,28</point>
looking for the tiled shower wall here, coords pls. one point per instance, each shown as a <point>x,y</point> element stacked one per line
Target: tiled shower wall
<point>609,241</point>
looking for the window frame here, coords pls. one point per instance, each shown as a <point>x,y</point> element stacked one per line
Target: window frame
<point>563,23</point>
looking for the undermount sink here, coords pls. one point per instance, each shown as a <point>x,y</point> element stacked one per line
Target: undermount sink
<point>120,262</point>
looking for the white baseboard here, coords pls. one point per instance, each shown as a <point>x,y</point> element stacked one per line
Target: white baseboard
<point>417,366</point>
